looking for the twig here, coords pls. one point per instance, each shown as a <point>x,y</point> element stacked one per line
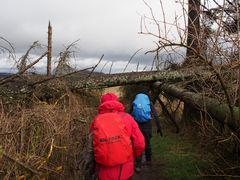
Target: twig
<point>131,59</point>
<point>95,66</point>
<point>9,133</point>
<point>48,156</point>
<point>58,77</point>
<point>104,66</point>
<point>21,164</point>
<point>23,59</point>
<point>11,52</point>
<point>110,70</point>
<point>11,77</point>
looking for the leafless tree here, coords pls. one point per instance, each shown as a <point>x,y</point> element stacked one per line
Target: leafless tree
<point>209,34</point>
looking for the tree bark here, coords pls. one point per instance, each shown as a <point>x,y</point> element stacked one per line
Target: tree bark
<point>121,79</point>
<point>193,32</point>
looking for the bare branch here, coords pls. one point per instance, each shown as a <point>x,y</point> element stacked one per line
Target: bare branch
<point>131,59</point>
<point>11,77</point>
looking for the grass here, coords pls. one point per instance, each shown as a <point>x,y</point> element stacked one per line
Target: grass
<point>181,159</point>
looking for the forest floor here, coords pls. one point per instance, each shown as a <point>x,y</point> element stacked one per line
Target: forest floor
<point>174,157</point>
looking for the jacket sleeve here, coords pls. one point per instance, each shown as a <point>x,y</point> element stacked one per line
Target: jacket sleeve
<point>137,140</point>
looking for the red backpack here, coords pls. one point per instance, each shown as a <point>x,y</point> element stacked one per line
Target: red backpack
<point>111,141</point>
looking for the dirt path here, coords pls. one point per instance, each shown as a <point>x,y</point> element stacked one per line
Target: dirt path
<point>152,172</point>
<point>174,157</point>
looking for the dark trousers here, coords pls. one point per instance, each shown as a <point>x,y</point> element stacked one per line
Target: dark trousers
<point>147,133</point>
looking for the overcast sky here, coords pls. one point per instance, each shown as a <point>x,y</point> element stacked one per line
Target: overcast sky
<point>109,27</point>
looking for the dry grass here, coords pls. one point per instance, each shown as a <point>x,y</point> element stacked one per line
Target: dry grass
<point>47,138</point>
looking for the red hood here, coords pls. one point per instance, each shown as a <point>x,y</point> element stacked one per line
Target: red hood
<point>110,103</point>
<point>108,97</point>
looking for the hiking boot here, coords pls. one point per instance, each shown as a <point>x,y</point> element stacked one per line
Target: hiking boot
<point>148,163</point>
<point>138,169</point>
<point>138,164</point>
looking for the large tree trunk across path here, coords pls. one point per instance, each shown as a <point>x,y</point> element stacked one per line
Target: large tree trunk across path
<point>217,110</point>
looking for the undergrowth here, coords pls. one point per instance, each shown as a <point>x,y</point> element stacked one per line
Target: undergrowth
<point>45,140</point>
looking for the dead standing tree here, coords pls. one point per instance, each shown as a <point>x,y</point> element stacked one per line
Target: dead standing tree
<point>193,31</point>
<point>49,55</point>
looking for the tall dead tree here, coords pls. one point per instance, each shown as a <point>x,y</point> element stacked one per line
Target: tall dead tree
<point>193,42</point>
<point>49,54</point>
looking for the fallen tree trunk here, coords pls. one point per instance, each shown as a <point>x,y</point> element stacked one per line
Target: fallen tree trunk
<point>217,110</point>
<point>121,79</point>
<point>20,89</point>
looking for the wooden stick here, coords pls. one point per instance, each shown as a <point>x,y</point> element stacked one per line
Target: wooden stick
<point>20,164</point>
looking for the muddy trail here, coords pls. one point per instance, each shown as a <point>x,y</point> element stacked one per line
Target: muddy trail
<point>174,157</point>
<point>153,172</point>
<point>156,169</point>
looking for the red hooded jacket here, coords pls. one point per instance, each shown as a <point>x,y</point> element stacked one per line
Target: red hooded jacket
<point>110,103</point>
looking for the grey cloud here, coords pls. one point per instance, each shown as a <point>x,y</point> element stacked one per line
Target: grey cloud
<point>104,27</point>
